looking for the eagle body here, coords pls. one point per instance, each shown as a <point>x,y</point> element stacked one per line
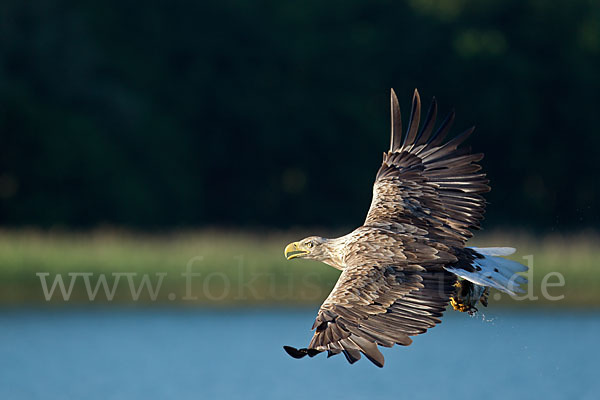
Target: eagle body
<point>408,260</point>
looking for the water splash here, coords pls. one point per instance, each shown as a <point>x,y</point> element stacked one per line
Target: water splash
<point>481,315</point>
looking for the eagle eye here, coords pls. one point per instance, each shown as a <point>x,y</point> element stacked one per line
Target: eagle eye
<point>310,245</point>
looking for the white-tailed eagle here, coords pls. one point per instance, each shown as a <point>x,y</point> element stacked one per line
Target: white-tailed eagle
<point>408,260</point>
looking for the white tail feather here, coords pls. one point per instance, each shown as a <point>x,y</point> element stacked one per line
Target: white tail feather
<point>494,271</point>
<point>494,251</point>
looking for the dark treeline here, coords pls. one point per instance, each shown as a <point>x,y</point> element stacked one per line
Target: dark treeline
<point>275,114</point>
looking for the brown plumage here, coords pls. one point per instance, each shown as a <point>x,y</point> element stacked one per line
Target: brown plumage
<point>393,285</point>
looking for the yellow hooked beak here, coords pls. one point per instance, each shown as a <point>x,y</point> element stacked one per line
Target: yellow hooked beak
<point>294,250</point>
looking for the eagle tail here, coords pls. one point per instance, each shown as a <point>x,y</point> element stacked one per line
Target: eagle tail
<point>494,271</point>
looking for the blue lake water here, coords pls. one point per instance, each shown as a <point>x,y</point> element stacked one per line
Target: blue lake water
<point>192,354</point>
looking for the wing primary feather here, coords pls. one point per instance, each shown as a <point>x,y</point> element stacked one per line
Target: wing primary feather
<point>294,352</point>
<point>448,148</point>
<point>413,122</point>
<point>300,353</point>
<point>396,123</point>
<point>444,129</point>
<point>428,126</point>
<point>351,355</point>
<point>369,349</point>
<point>438,137</point>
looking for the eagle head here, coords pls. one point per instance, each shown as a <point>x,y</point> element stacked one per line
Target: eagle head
<point>311,247</point>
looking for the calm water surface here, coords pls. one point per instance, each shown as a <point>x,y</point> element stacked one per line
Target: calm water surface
<point>190,354</point>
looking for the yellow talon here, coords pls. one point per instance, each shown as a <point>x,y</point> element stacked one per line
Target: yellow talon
<point>458,305</point>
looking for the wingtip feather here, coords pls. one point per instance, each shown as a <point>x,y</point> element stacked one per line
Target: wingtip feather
<point>413,122</point>
<point>396,135</point>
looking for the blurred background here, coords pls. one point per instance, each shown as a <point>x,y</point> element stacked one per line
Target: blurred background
<point>142,142</point>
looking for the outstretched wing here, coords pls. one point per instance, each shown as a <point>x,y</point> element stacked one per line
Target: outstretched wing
<point>427,183</point>
<point>381,301</point>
